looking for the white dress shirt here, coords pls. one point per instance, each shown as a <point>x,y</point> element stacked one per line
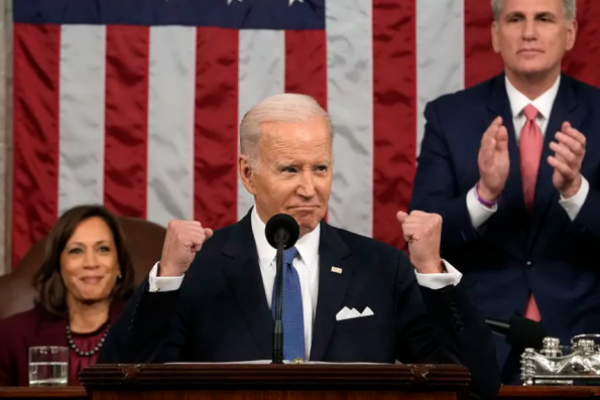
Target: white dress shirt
<point>518,101</point>
<point>307,265</point>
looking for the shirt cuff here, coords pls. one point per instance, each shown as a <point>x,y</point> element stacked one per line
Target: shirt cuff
<point>163,283</point>
<point>438,281</point>
<point>477,211</point>
<point>573,205</point>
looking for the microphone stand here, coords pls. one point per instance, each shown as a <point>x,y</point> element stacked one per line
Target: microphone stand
<point>278,328</point>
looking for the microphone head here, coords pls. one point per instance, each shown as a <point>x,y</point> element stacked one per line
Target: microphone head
<point>525,332</point>
<point>282,227</point>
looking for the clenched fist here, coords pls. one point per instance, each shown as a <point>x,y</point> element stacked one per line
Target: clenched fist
<point>183,240</point>
<point>423,232</point>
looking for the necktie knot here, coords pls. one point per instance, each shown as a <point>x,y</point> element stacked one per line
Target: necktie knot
<point>289,255</point>
<point>530,112</point>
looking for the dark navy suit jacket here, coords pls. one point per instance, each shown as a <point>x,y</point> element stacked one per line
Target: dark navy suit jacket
<point>220,313</point>
<point>514,253</point>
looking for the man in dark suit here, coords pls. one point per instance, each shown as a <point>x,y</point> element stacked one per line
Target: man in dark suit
<point>505,164</point>
<point>347,298</point>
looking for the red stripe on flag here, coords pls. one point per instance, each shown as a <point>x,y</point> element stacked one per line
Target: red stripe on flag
<point>215,129</point>
<point>36,136</point>
<point>481,62</point>
<point>394,117</point>
<point>126,138</point>
<point>306,64</point>
<point>583,62</point>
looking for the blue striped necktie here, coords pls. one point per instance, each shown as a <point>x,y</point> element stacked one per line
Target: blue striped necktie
<point>292,314</point>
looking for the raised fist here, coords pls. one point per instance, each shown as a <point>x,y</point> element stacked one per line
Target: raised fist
<point>423,233</point>
<point>183,240</point>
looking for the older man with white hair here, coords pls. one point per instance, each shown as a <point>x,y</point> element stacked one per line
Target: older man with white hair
<point>346,298</point>
<point>513,166</point>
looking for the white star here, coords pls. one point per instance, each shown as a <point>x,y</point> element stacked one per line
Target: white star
<point>229,1</point>
<point>292,2</point>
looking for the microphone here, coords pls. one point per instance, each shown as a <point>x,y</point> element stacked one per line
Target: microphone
<point>519,332</point>
<point>282,228</point>
<point>282,232</point>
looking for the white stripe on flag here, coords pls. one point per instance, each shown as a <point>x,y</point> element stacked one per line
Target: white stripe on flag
<point>261,74</point>
<point>81,103</point>
<point>350,105</point>
<point>171,98</point>
<point>440,53</point>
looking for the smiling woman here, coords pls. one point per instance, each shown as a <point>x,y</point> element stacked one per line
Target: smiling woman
<point>82,285</point>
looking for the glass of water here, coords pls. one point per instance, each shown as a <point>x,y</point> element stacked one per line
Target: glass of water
<point>48,366</point>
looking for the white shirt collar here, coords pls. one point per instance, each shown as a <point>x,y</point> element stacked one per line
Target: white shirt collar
<point>307,245</point>
<point>518,101</point>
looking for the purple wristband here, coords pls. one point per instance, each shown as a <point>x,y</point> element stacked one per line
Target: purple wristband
<point>482,201</point>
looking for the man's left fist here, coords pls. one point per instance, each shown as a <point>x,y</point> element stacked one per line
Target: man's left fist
<point>423,232</point>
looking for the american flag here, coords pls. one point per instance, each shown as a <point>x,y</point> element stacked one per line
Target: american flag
<point>135,104</point>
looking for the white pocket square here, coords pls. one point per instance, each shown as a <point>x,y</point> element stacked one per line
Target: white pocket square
<point>346,313</point>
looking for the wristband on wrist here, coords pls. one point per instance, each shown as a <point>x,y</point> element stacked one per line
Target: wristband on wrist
<point>481,200</point>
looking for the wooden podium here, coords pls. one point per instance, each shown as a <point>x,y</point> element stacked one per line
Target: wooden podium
<point>268,381</point>
<point>506,392</point>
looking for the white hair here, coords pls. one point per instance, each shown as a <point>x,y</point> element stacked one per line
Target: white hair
<point>570,8</point>
<point>287,108</point>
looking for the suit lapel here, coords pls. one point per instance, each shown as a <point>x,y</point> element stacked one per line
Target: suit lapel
<point>244,277</point>
<point>332,288</point>
<point>500,105</point>
<point>565,108</point>
<point>511,203</point>
<point>51,331</point>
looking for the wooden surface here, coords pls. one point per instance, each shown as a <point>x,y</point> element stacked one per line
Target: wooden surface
<point>507,392</point>
<point>268,381</point>
<point>548,392</point>
<point>55,393</point>
<point>79,393</point>
<point>275,395</point>
<point>291,376</point>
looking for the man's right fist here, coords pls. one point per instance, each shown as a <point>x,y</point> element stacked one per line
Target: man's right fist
<point>183,240</point>
<point>493,161</point>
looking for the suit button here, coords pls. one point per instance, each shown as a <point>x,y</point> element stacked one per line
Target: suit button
<point>529,263</point>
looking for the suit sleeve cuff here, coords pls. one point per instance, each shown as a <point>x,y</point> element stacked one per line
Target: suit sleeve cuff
<point>438,281</point>
<point>477,211</point>
<point>163,283</point>
<point>573,205</point>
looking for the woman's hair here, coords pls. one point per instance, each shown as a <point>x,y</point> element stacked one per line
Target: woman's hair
<point>48,281</point>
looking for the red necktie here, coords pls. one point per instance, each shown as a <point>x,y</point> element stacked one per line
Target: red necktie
<point>531,143</point>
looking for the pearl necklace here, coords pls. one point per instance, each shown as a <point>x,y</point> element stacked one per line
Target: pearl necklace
<point>85,353</point>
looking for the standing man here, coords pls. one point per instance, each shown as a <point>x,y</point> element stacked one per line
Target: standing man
<point>347,298</point>
<point>505,164</point>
